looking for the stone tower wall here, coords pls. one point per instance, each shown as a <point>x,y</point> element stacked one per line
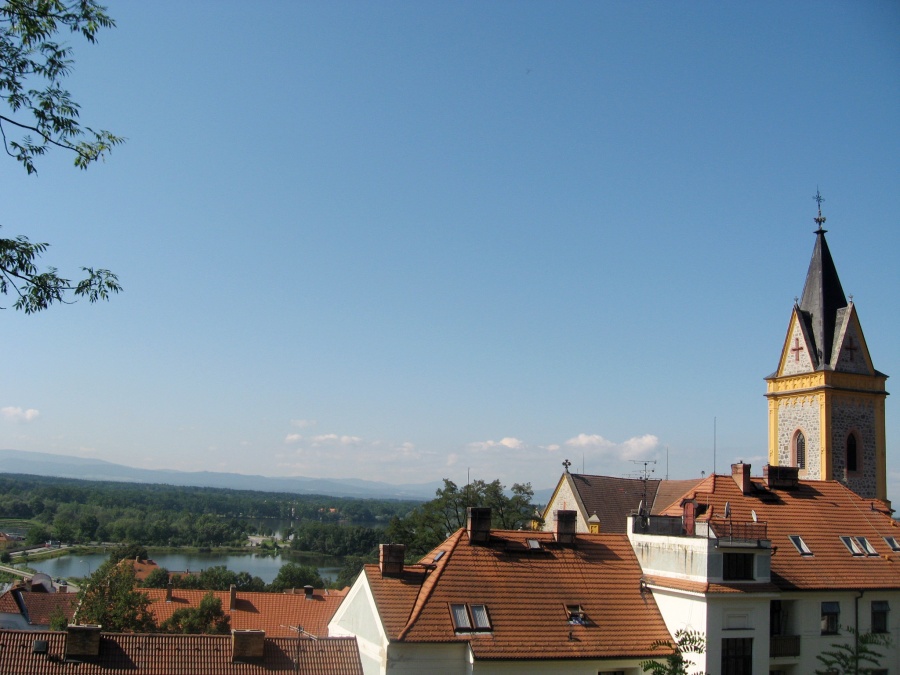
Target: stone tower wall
<point>800,412</point>
<point>854,414</point>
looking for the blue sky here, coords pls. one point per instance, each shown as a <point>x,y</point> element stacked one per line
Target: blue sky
<point>400,241</point>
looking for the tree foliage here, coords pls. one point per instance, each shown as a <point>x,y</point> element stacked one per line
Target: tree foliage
<point>859,656</point>
<point>109,599</point>
<point>428,525</point>
<point>294,575</point>
<point>37,113</point>
<point>675,663</point>
<point>33,65</point>
<point>208,619</point>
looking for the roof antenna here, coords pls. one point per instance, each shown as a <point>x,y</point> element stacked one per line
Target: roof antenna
<point>820,219</point>
<point>714,444</point>
<point>645,474</point>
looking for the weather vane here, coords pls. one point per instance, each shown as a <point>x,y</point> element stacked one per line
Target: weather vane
<point>820,219</point>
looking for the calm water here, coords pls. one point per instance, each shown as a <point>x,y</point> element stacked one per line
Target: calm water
<point>264,567</point>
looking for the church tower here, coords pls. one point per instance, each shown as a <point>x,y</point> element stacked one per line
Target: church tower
<point>826,400</point>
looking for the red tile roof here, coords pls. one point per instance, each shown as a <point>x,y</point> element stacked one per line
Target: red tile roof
<point>142,654</point>
<point>37,608</point>
<point>271,612</point>
<point>526,593</point>
<point>818,511</point>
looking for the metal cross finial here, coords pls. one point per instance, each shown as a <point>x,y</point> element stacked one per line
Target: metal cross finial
<point>566,463</point>
<point>820,219</point>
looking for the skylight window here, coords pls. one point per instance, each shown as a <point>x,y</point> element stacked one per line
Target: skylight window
<point>460,616</point>
<point>852,546</point>
<point>893,543</point>
<point>473,617</point>
<point>801,546</point>
<point>438,556</point>
<point>533,545</point>
<point>866,546</point>
<point>576,615</point>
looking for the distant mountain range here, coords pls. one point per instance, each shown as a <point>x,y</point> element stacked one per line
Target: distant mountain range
<point>46,464</point>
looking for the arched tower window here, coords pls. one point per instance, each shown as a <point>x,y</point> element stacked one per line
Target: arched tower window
<point>800,450</point>
<point>852,456</point>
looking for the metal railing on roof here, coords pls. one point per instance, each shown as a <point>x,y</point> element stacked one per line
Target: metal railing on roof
<point>727,532</point>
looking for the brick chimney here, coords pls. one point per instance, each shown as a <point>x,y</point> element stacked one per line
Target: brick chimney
<point>232,596</point>
<point>741,474</point>
<point>566,526</point>
<point>82,641</point>
<point>308,592</point>
<point>247,644</point>
<point>478,524</point>
<point>390,559</point>
<point>169,592</point>
<point>781,477</point>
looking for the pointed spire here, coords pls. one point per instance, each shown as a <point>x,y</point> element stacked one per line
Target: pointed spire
<point>822,295</point>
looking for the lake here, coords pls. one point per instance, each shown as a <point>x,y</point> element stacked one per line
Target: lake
<point>263,566</point>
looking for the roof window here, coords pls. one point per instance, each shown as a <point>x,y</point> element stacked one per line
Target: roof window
<point>533,544</point>
<point>576,615</point>
<point>892,542</point>
<point>801,546</point>
<point>866,546</point>
<point>438,556</point>
<point>852,546</point>
<point>470,617</point>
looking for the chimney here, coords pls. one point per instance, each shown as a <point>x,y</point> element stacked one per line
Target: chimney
<point>82,641</point>
<point>169,592</point>
<point>232,597</point>
<point>390,559</point>
<point>781,477</point>
<point>478,524</point>
<point>247,645</point>
<point>741,474</point>
<point>566,526</point>
<point>308,592</point>
<point>63,587</point>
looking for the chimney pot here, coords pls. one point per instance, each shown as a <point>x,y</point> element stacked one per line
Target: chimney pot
<point>169,592</point>
<point>308,592</point>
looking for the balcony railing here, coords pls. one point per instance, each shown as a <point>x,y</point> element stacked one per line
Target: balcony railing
<point>784,645</point>
<point>726,532</point>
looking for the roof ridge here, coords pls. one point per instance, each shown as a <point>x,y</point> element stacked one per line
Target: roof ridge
<point>431,581</point>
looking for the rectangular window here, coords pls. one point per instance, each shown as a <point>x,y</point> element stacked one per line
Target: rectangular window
<point>831,617</point>
<point>737,656</point>
<point>460,617</point>
<point>576,615</point>
<point>480,617</point>
<point>893,543</point>
<point>852,546</point>
<point>800,545</point>
<point>866,546</point>
<point>880,609</point>
<point>738,567</point>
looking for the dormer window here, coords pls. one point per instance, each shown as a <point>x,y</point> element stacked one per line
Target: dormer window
<point>576,615</point>
<point>800,545</point>
<point>467,618</point>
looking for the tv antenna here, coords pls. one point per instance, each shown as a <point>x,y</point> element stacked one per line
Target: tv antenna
<point>645,475</point>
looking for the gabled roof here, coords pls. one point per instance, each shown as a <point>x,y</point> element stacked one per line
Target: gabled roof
<point>613,499</point>
<point>37,608</point>
<point>818,511</point>
<point>156,654</point>
<point>822,297</point>
<point>271,612</point>
<point>525,591</point>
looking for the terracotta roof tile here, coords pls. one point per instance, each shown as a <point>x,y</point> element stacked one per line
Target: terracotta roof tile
<point>526,593</point>
<point>141,654</point>
<point>39,607</point>
<point>271,612</point>
<point>820,512</point>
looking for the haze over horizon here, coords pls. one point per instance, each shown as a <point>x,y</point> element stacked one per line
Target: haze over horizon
<point>409,241</point>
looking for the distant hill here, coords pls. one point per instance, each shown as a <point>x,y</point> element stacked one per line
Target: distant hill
<point>47,464</point>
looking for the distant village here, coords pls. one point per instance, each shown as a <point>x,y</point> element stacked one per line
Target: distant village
<point>785,569</point>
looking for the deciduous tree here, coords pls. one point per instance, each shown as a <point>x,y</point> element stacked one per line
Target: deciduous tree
<point>37,113</point>
<point>858,656</point>
<point>109,598</point>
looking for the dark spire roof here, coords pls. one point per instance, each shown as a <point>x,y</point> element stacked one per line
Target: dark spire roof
<point>822,297</point>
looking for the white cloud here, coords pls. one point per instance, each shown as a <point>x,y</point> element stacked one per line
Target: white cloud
<point>452,459</point>
<point>17,414</point>
<point>508,442</point>
<point>637,446</point>
<point>303,424</point>
<point>334,439</point>
<point>293,438</point>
